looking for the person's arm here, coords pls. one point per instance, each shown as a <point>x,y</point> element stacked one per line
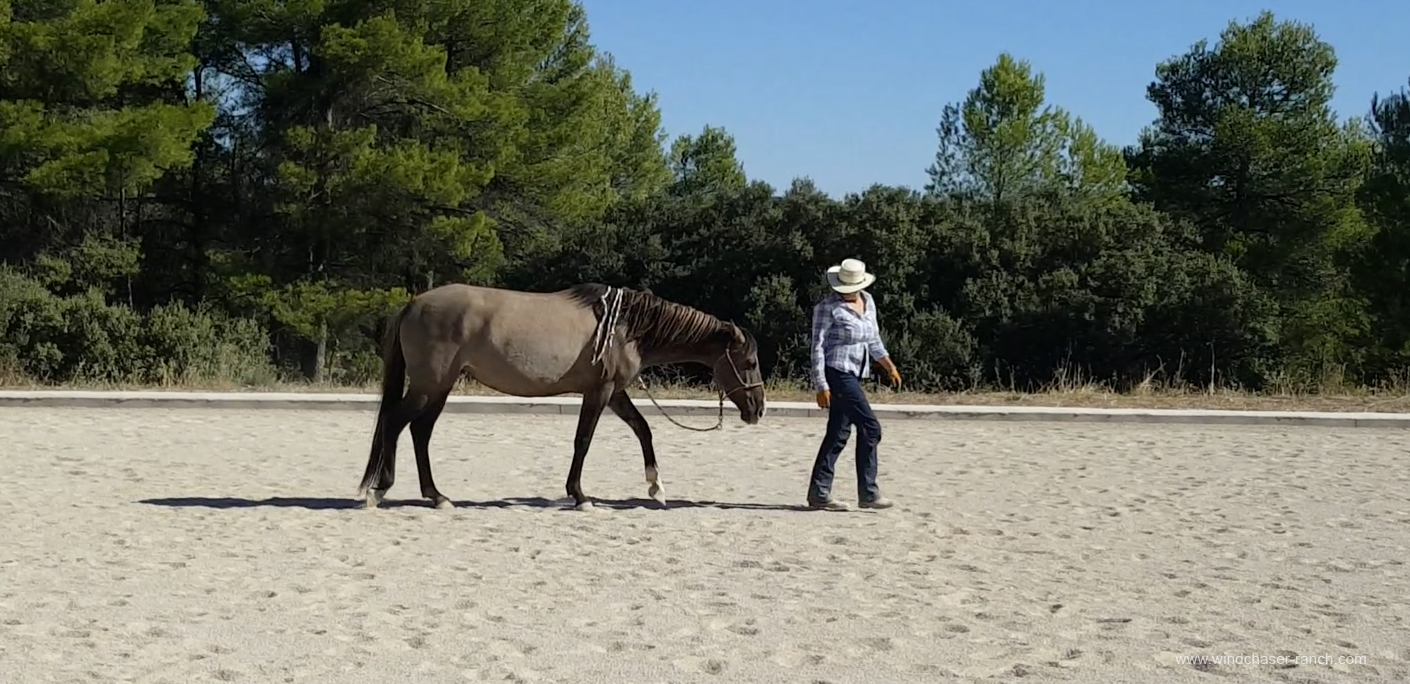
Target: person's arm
<point>822,319</point>
<point>876,348</point>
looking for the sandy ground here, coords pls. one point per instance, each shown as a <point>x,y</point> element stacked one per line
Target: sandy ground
<point>1089,396</point>
<point>197,546</point>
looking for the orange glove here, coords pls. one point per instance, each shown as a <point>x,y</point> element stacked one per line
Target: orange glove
<point>891,370</point>
<point>824,399</point>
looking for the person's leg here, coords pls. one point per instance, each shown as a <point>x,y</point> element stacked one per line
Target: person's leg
<point>838,431</point>
<point>858,410</point>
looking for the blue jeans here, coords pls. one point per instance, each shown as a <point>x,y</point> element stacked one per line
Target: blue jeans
<point>849,407</point>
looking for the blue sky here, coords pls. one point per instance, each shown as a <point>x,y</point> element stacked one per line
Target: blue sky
<point>848,92</point>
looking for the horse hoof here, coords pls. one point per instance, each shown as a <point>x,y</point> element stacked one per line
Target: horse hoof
<point>444,503</point>
<point>585,506</point>
<point>655,492</point>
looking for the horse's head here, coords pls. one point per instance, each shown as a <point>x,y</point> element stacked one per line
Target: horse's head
<point>737,374</point>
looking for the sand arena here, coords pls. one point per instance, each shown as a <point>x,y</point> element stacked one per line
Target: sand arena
<point>226,546</point>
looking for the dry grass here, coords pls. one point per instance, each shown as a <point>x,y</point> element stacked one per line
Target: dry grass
<point>1062,392</point>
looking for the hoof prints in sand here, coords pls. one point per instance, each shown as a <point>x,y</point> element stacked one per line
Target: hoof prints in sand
<point>176,546</point>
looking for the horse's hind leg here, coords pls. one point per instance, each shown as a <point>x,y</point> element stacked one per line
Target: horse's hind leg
<point>622,405</point>
<point>421,428</point>
<point>404,412</point>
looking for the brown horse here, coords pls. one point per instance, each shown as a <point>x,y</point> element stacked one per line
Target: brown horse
<point>590,338</point>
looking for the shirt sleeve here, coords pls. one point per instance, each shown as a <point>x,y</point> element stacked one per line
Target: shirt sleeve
<point>822,318</point>
<point>875,346</point>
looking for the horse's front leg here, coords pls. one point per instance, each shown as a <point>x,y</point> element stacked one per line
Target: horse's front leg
<point>594,400</point>
<point>622,405</point>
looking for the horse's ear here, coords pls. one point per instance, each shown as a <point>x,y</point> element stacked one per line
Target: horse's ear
<point>736,333</point>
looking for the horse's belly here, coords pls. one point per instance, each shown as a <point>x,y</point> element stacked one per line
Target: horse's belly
<point>526,370</point>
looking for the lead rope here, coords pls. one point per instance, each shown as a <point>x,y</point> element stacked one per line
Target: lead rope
<point>718,424</point>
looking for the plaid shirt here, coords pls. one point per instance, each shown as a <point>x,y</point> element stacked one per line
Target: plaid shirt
<point>842,339</point>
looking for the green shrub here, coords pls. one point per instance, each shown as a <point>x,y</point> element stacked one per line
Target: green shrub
<point>81,338</point>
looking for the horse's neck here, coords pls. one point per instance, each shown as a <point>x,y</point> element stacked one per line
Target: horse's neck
<point>679,354</point>
<point>613,304</point>
<point>682,352</point>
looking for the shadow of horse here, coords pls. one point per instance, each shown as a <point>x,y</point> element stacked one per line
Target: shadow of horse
<point>329,503</point>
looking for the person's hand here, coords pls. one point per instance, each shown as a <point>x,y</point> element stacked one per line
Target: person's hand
<point>824,399</point>
<point>890,367</point>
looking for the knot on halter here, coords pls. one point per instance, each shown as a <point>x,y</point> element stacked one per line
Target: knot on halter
<point>607,325</point>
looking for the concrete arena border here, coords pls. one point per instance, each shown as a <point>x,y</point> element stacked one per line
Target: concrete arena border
<point>568,405</point>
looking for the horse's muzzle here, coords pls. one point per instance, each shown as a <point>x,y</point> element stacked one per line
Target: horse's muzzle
<point>750,402</point>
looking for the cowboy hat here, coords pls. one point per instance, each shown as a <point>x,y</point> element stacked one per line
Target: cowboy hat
<point>849,276</point>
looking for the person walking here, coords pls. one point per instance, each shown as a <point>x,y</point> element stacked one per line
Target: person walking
<point>845,333</point>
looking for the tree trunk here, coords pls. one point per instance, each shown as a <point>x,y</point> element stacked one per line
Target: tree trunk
<point>320,354</point>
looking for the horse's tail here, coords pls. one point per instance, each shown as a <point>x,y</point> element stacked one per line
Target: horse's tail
<point>393,380</point>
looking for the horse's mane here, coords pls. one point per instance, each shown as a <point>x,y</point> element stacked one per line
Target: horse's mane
<point>654,323</point>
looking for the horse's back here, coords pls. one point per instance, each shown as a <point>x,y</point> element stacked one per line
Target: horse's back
<point>518,342</point>
<point>459,310</point>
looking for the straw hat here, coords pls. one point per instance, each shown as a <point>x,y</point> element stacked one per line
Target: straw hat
<point>849,276</point>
